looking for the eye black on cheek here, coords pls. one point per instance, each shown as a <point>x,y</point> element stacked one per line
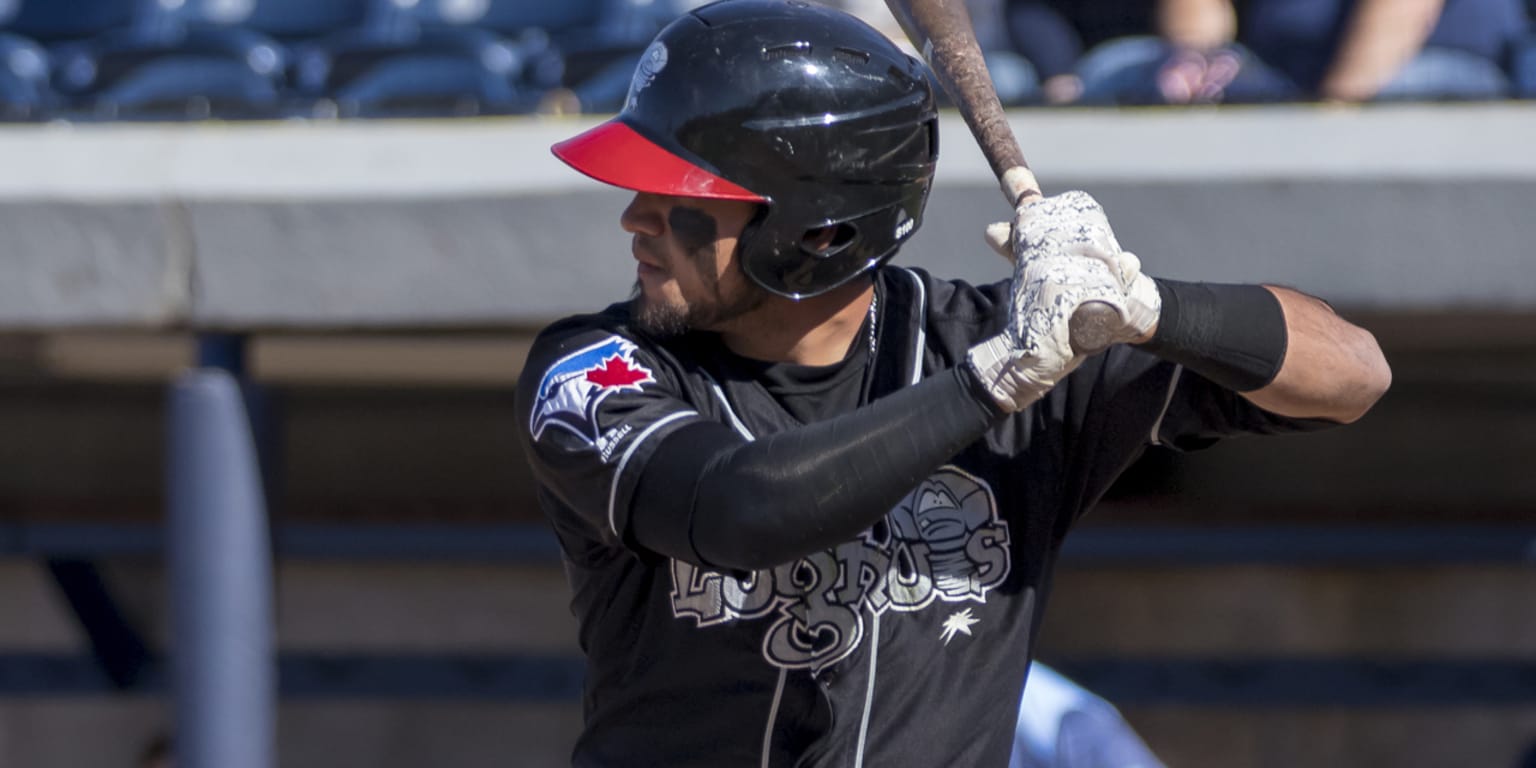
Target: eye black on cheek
<point>693,228</point>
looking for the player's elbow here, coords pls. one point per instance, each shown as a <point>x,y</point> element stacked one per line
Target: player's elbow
<point>1366,381</point>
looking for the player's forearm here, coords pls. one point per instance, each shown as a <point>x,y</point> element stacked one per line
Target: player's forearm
<point>1381,36</point>
<point>1332,369</point>
<point>1286,352</point>
<point>762,503</point>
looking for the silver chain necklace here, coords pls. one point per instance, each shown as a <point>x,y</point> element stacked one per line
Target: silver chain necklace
<point>874,317</point>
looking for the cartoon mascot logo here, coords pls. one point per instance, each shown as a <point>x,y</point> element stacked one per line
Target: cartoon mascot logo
<point>574,387</point>
<point>943,543</point>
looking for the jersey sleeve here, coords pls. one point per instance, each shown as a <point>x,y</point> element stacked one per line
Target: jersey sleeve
<point>1118,403</point>
<point>1198,412</point>
<point>593,405</point>
<point>1132,395</point>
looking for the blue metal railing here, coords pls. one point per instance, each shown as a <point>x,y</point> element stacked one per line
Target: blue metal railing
<point>223,680</point>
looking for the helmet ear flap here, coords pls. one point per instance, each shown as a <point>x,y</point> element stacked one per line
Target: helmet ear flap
<point>750,234</point>
<point>826,242</point>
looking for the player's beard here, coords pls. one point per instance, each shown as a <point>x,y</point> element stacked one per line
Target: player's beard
<point>664,319</point>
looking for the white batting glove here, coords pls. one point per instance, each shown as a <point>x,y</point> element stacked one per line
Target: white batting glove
<point>1074,224</point>
<point>1066,258</point>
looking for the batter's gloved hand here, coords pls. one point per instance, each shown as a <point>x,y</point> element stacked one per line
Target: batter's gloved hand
<point>1066,259</point>
<point>1074,224</point>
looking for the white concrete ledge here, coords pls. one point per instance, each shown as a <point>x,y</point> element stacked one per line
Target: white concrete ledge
<point>474,223</point>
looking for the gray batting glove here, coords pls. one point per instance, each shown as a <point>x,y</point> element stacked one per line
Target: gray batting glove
<point>1066,259</point>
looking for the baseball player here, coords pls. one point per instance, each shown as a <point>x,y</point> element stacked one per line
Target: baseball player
<point>809,503</point>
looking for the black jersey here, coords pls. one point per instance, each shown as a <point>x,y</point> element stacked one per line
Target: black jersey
<point>906,646</point>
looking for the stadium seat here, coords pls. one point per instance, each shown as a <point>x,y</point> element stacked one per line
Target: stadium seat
<point>56,23</point>
<point>294,22</point>
<point>266,35</point>
<point>175,58</point>
<point>24,90</point>
<point>594,44</point>
<point>24,72</point>
<point>425,57</point>
<point>578,50</point>
<point>55,30</point>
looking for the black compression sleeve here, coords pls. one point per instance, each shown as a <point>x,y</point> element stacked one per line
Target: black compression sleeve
<point>1234,335</point>
<point>710,496</point>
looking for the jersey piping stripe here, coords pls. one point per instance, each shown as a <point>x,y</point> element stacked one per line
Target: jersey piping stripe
<point>869,690</point>
<point>922,326</point>
<point>613,490</point>
<point>729,412</point>
<point>1157,426</point>
<point>773,717</point>
<point>778,691</point>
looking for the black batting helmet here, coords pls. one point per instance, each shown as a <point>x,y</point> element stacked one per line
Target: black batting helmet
<point>800,107</point>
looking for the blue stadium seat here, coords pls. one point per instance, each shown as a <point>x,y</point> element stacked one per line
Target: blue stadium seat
<point>61,28</point>
<point>294,22</point>
<point>601,54</point>
<point>584,49</point>
<point>179,58</point>
<point>57,23</point>
<point>24,89</point>
<point>423,57</point>
<point>24,72</point>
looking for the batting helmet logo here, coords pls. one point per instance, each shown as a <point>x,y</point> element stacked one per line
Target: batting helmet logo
<point>652,62</point>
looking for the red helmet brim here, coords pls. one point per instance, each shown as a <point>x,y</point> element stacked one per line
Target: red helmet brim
<point>616,154</point>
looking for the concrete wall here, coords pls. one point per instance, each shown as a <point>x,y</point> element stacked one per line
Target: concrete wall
<point>473,223</point>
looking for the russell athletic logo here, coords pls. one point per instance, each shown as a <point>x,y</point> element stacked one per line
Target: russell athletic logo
<point>941,545</point>
<point>574,387</point>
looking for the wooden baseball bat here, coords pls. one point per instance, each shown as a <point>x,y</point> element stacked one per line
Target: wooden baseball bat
<point>942,31</point>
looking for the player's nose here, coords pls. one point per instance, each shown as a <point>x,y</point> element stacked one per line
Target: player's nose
<point>643,216</point>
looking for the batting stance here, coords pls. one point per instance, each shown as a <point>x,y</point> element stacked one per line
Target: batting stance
<point>809,502</point>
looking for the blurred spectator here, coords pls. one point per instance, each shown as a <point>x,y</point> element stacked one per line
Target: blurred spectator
<point>1061,725</point>
<point>1523,67</point>
<point>1054,34</point>
<point>1360,50</point>
<point>1186,51</point>
<point>1013,76</point>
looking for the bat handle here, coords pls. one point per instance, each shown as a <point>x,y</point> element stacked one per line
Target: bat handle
<point>1019,185</point>
<point>1093,326</point>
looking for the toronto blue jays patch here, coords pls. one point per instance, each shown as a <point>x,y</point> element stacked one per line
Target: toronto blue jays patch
<point>575,385</point>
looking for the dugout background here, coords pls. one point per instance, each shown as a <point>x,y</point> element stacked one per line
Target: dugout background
<point>1357,598</point>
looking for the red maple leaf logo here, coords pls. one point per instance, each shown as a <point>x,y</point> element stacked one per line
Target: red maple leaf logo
<point>617,372</point>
